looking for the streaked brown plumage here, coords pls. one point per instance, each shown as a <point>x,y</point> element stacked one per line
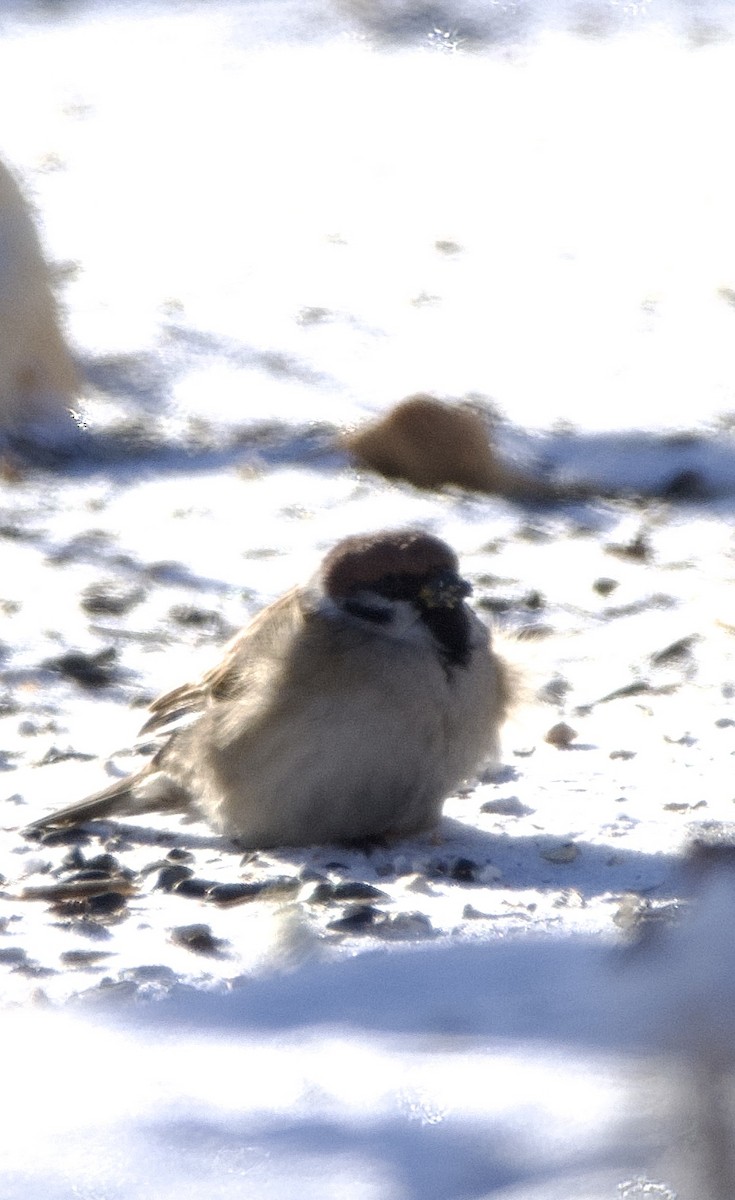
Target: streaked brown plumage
<point>349,709</point>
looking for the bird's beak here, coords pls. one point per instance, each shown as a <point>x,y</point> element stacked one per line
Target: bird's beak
<point>446,590</point>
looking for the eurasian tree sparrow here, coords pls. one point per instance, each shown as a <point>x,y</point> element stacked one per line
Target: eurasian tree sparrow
<point>348,709</point>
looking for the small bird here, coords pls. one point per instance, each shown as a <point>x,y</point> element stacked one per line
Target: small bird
<point>348,710</point>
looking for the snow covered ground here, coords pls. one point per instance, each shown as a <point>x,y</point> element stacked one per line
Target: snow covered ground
<point>271,221</point>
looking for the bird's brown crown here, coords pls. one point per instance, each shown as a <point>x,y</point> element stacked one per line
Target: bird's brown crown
<point>363,559</point>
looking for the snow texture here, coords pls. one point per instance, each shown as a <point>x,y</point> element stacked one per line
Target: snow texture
<point>268,222</point>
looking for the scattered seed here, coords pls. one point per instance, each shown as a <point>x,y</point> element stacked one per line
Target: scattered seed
<point>686,485</point>
<point>638,550</point>
<point>506,806</point>
<point>54,755</point>
<point>406,925</point>
<point>82,889</point>
<point>72,835</point>
<point>470,913</point>
<point>13,956</point>
<point>684,806</point>
<point>108,862</point>
<point>180,855</point>
<point>83,958</point>
<point>95,670</point>
<point>638,687</point>
<point>88,873</point>
<point>565,852</point>
<point>74,860</point>
<point>171,876</point>
<point>193,616</point>
<point>676,650</point>
<point>110,902</point>
<point>110,598</point>
<point>357,918</point>
<point>196,889</point>
<point>197,938</point>
<point>560,735</point>
<point>325,893</point>
<point>234,893</point>
<point>464,870</point>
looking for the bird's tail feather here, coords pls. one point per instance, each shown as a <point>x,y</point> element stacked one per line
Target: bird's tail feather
<point>141,793</point>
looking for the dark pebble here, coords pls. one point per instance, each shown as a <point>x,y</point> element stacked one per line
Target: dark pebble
<point>356,919</point>
<point>197,938</point>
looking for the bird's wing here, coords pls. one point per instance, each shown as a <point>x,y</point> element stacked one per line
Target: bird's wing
<point>273,625</point>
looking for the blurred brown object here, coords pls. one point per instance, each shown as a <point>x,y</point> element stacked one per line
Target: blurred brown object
<point>430,444</point>
<point>38,379</point>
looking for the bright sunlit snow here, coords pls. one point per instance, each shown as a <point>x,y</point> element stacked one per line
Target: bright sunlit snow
<point>268,221</point>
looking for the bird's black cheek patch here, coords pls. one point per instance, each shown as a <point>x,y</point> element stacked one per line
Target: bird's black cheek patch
<point>378,614</point>
<point>451,629</point>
